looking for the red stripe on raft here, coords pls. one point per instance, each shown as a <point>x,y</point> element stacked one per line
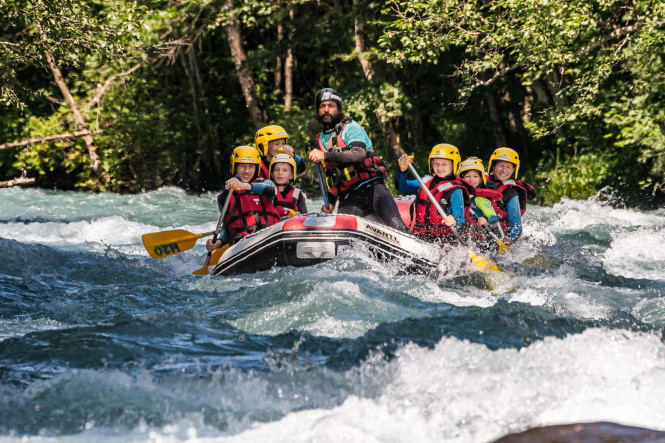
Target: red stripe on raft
<point>404,207</point>
<point>301,222</point>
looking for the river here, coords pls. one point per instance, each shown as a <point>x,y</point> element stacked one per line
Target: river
<point>99,342</point>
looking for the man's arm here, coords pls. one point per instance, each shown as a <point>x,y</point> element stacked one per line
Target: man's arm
<point>266,188</point>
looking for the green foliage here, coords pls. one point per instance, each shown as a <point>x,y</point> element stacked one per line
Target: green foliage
<point>577,177</point>
<point>582,79</point>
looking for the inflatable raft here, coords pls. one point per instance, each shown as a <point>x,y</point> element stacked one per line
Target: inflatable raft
<point>313,238</point>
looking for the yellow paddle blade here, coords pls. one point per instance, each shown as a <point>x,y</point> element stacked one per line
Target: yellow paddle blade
<point>163,244</point>
<point>482,265</point>
<point>214,259</point>
<point>503,248</point>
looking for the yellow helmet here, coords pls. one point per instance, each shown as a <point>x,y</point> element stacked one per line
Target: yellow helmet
<point>445,150</point>
<point>473,164</point>
<point>506,155</point>
<point>244,155</point>
<point>266,135</point>
<point>283,158</point>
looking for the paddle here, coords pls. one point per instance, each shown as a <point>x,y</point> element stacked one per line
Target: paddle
<point>482,264</point>
<point>220,223</point>
<point>488,211</point>
<point>163,244</point>
<point>322,185</point>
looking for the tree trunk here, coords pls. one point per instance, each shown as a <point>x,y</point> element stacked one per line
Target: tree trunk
<point>500,138</point>
<point>20,181</point>
<point>360,43</point>
<point>234,37</point>
<point>288,72</point>
<point>209,135</point>
<point>389,127</point>
<point>95,163</point>
<point>278,62</point>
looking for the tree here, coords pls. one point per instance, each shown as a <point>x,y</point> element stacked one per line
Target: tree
<point>58,35</point>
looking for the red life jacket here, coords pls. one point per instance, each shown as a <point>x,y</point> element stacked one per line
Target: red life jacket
<point>342,179</point>
<point>264,171</point>
<point>525,192</point>
<point>428,220</point>
<point>287,201</point>
<point>248,213</point>
<point>474,231</point>
<point>490,194</point>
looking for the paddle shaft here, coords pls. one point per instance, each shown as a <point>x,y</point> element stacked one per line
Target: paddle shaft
<point>218,228</point>
<point>435,203</point>
<point>502,246</point>
<point>322,185</point>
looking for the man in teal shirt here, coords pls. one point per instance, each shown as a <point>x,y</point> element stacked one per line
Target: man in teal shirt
<point>355,175</point>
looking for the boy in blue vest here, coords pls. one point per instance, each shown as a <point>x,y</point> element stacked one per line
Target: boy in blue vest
<point>251,207</point>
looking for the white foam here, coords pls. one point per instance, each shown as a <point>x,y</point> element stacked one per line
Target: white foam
<point>637,254</point>
<point>575,215</point>
<point>462,392</point>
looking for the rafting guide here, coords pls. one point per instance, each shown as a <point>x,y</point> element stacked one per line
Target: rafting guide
<point>355,174</point>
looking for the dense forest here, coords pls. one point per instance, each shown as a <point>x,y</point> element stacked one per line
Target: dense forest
<point>131,95</point>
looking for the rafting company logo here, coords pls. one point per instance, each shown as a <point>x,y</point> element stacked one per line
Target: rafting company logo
<point>387,235</point>
<point>166,249</point>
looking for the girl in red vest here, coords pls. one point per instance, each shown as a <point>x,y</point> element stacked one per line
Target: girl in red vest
<point>453,194</point>
<point>482,213</point>
<point>251,207</point>
<point>288,198</point>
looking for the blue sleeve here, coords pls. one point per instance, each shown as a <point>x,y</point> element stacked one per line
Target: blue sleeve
<point>514,217</point>
<point>404,185</point>
<point>300,164</point>
<point>456,206</point>
<point>266,188</point>
<point>224,236</point>
<point>354,132</point>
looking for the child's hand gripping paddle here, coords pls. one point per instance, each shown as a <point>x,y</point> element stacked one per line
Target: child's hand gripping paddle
<point>488,211</point>
<point>482,264</point>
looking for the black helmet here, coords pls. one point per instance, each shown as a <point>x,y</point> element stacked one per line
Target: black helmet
<point>327,94</point>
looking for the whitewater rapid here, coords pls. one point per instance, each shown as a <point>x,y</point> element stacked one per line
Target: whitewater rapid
<point>99,342</point>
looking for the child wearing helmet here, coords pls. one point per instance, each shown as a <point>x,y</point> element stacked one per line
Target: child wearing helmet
<point>288,198</point>
<point>503,167</point>
<point>482,212</point>
<point>270,141</point>
<point>251,207</point>
<point>453,194</point>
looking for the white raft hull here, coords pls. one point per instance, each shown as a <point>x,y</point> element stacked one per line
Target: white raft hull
<point>306,240</point>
